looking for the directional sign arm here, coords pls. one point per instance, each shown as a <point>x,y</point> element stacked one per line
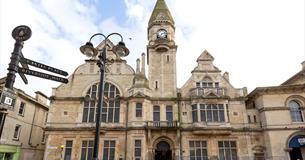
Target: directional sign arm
<point>42,75</point>
<point>43,66</point>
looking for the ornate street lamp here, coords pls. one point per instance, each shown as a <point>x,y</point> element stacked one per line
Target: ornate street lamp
<point>89,51</point>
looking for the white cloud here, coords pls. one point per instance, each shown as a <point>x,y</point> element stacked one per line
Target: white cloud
<point>260,42</point>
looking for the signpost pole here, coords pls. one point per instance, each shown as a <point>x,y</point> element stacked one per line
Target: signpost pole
<point>20,34</point>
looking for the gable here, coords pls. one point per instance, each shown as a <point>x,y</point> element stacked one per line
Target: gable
<point>298,78</point>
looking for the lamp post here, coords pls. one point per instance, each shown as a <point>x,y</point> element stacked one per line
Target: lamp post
<point>88,50</point>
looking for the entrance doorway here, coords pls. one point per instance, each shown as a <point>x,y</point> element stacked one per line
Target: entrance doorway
<point>297,146</point>
<point>296,154</point>
<point>163,151</point>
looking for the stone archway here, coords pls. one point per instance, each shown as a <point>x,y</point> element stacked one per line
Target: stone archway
<point>296,145</point>
<point>163,149</point>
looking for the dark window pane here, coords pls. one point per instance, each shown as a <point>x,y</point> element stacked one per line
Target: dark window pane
<point>221,116</point>
<point>112,152</point>
<point>191,144</point>
<point>138,143</point>
<point>105,154</point>
<point>90,144</point>
<point>83,154</point>
<point>68,154</point>
<point>112,143</point>
<point>90,153</point>
<point>194,116</point>
<point>227,143</point>
<point>91,115</point>
<point>68,143</point>
<point>104,117</point>
<point>117,115</point>
<point>215,116</point>
<point>110,115</point>
<point>233,144</point>
<point>85,115</point>
<point>220,144</point>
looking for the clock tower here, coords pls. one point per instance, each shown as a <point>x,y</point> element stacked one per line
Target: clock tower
<point>161,51</point>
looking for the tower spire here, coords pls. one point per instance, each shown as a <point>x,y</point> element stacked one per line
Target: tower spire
<point>161,14</point>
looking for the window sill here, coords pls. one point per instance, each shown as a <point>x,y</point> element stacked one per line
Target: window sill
<point>15,139</point>
<point>297,122</point>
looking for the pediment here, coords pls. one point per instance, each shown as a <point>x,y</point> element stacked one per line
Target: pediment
<point>205,56</point>
<point>297,79</point>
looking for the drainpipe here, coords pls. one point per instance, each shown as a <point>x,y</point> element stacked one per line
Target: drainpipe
<point>179,121</point>
<point>31,131</point>
<point>126,126</point>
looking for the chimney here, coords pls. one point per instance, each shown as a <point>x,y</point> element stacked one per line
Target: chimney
<point>138,66</point>
<point>303,65</point>
<point>143,64</point>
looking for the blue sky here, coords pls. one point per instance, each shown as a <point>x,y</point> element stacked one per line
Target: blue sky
<point>259,42</point>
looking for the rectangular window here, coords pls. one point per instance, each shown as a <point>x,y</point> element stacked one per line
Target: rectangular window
<point>204,84</point>
<point>202,113</point>
<point>227,150</point>
<point>249,119</point>
<point>138,109</point>
<point>169,113</point>
<point>210,84</point>
<point>156,113</point>
<point>87,150</point>
<point>197,84</point>
<point>198,150</point>
<point>208,113</point>
<point>109,150</point>
<point>21,109</point>
<point>216,84</point>
<point>137,149</point>
<point>254,119</point>
<point>194,113</point>
<point>68,150</point>
<point>43,137</point>
<point>17,132</point>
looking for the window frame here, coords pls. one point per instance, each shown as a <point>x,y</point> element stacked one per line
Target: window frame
<point>229,148</point>
<point>296,114</point>
<point>87,147</point>
<point>22,104</point>
<point>110,110</point>
<point>18,132</point>
<point>169,113</point>
<point>68,147</point>
<point>213,113</point>
<point>109,149</point>
<point>137,157</point>
<point>202,148</point>
<point>139,110</point>
<point>156,111</point>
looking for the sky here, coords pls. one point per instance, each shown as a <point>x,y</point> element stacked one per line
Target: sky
<point>259,42</point>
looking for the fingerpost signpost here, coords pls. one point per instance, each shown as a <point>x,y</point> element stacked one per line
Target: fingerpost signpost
<point>7,94</point>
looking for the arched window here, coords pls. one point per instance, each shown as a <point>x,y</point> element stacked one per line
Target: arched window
<point>295,111</point>
<point>110,111</point>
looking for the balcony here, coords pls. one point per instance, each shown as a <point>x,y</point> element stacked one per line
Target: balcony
<point>163,124</point>
<point>207,92</point>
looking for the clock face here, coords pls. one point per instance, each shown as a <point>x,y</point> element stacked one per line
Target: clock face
<point>162,33</point>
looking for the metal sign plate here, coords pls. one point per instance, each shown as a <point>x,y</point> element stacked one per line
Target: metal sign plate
<point>42,66</point>
<point>42,75</point>
<point>7,99</point>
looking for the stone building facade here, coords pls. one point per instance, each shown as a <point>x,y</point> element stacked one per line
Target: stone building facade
<point>146,117</point>
<point>23,136</point>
